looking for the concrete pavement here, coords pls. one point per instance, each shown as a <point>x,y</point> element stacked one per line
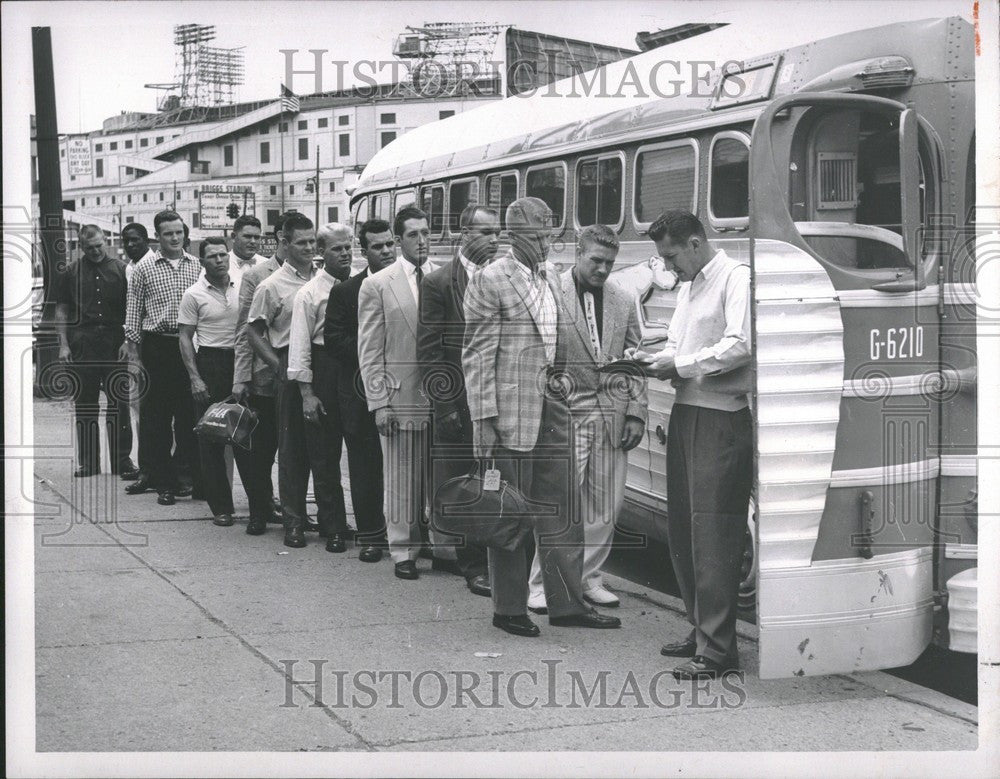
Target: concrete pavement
<point>156,630</point>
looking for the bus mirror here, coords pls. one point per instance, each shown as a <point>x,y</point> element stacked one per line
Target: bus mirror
<point>909,180</point>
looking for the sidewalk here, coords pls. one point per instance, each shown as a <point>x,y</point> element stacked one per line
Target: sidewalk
<point>156,630</point>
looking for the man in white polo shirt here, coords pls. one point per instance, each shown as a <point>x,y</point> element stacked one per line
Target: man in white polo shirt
<point>709,439</point>
<point>209,309</point>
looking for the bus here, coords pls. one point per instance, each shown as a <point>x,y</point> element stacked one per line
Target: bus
<point>843,171</point>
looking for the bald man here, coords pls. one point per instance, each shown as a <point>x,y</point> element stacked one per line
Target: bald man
<point>521,419</point>
<point>309,365</point>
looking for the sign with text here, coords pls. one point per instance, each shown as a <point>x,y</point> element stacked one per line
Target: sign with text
<point>78,156</point>
<point>219,206</point>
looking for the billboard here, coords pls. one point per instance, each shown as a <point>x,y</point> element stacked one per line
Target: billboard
<point>78,156</point>
<point>218,204</point>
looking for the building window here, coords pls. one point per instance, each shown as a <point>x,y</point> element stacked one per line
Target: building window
<point>159,139</point>
<point>195,222</point>
<point>303,124</point>
<point>274,190</point>
<point>113,146</point>
<point>145,197</point>
<point>323,122</point>
<point>161,196</point>
<point>303,148</point>
<point>83,202</point>
<point>291,189</point>
<point>333,186</point>
<point>114,199</point>
<point>264,129</point>
<point>99,169</point>
<point>72,178</point>
<point>128,144</point>
<point>98,200</point>
<point>265,152</point>
<point>272,217</point>
<point>98,147</point>
<point>343,120</point>
<point>548,183</point>
<point>176,135</point>
<point>599,191</point>
<point>332,214</point>
<point>387,138</point>
<point>196,194</point>
<point>128,198</point>
<point>128,171</point>
<point>177,195</point>
<point>227,156</point>
<point>445,114</point>
<point>143,143</point>
<point>344,145</point>
<point>283,127</point>
<point>129,219</point>
<point>387,119</point>
<point>664,181</point>
<point>62,152</point>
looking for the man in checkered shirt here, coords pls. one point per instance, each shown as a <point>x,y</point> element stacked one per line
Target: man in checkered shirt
<point>151,341</point>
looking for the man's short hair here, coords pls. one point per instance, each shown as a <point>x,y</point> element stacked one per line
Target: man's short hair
<point>166,216</point>
<point>279,223</point>
<point>87,231</point>
<point>246,220</point>
<point>136,227</point>
<point>529,212</point>
<point>678,225</point>
<point>404,214</point>
<point>295,221</point>
<point>374,226</point>
<point>602,235</point>
<point>469,214</point>
<point>212,240</point>
<point>327,230</point>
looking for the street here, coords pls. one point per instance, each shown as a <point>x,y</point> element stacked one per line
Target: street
<point>157,631</point>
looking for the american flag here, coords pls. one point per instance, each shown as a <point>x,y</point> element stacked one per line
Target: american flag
<point>289,102</point>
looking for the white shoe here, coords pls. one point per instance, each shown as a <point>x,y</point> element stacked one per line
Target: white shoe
<point>601,597</point>
<point>537,604</point>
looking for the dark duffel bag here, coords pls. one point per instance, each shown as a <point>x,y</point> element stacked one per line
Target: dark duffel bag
<point>500,518</point>
<point>227,423</point>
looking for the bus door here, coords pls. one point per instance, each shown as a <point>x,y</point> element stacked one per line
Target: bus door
<point>847,376</point>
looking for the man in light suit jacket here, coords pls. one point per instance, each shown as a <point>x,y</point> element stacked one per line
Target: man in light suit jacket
<point>388,311</point>
<point>609,410</point>
<point>521,419</point>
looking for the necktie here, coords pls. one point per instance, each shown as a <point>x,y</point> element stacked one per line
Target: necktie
<point>419,272</point>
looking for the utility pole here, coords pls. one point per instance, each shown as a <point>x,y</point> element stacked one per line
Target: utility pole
<point>317,188</point>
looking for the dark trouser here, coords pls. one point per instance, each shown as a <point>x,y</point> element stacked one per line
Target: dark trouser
<point>709,475</point>
<point>546,476</point>
<point>265,442</point>
<point>451,457</point>
<point>215,366</point>
<point>166,414</point>
<point>324,447</point>
<point>364,463</point>
<point>96,366</point>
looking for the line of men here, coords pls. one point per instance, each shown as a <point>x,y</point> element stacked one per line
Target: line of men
<point>424,372</point>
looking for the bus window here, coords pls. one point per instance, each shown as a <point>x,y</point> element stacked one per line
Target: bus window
<point>501,191</point>
<point>548,183</point>
<point>729,180</point>
<point>433,205</point>
<point>360,212</point>
<point>666,177</point>
<point>599,191</point>
<point>404,198</point>
<point>380,206</point>
<point>461,193</point>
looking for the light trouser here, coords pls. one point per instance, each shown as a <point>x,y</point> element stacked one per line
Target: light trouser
<point>406,466</point>
<point>601,469</point>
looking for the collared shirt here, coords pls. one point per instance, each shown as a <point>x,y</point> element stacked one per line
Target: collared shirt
<point>94,291</point>
<point>582,288</point>
<point>469,265</point>
<point>543,304</point>
<point>272,302</point>
<point>709,336</point>
<point>213,313</point>
<point>130,264</point>
<point>410,271</point>
<point>238,266</point>
<point>308,318</point>
<point>155,294</point>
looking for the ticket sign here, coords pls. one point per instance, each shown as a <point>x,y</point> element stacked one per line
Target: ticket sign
<point>78,156</point>
<point>216,206</point>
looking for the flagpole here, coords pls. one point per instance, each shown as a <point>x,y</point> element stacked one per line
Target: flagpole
<point>317,187</point>
<point>281,137</point>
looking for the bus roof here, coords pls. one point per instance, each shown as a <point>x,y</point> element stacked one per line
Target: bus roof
<point>671,85</point>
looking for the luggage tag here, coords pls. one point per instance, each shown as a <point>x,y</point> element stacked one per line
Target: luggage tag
<point>491,478</point>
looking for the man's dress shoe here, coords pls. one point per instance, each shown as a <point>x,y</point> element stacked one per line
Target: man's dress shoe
<point>311,527</point>
<point>294,537</point>
<point>129,472</point>
<point>166,498</point>
<point>426,552</point>
<point>82,473</point>
<point>256,526</point>
<point>479,585</point>
<point>407,570</point>
<point>336,543</point>
<point>139,486</point>
<point>589,619</point>
<point>223,520</point>
<point>599,596</point>
<point>537,604</point>
<point>184,490</point>
<point>685,648</point>
<point>370,554</point>
<point>701,667</point>
<point>518,625</point>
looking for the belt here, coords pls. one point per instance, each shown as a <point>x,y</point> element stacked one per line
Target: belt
<point>150,333</point>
